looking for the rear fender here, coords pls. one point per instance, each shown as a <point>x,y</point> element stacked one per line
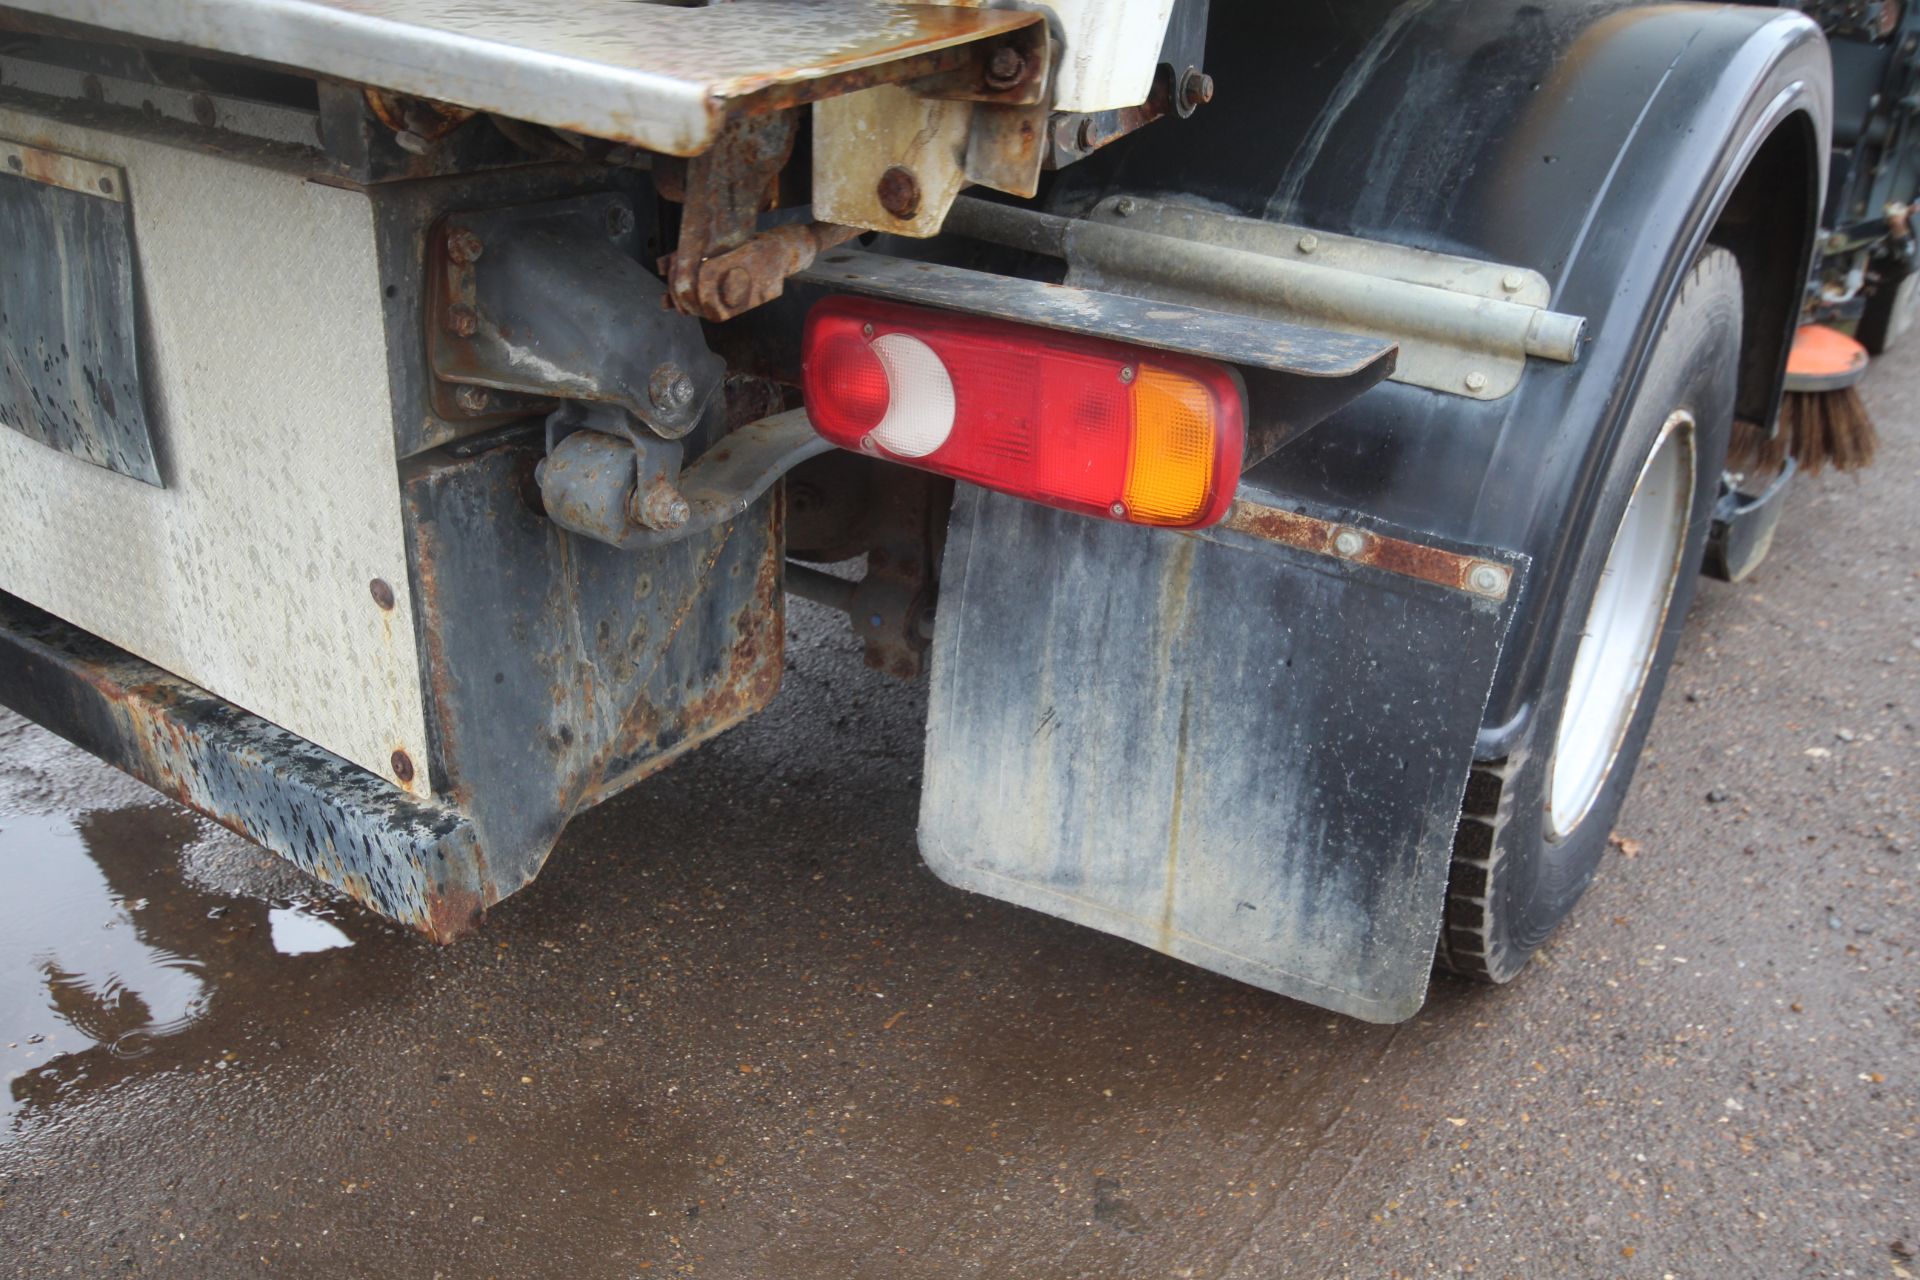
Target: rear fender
<point>1602,145</point>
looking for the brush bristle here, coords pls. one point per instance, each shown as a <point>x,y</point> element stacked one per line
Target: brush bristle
<point>1820,429</point>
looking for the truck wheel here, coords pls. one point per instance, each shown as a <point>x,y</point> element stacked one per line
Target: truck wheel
<point>1536,823</point>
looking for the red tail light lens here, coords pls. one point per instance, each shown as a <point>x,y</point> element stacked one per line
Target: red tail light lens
<point>1097,427</point>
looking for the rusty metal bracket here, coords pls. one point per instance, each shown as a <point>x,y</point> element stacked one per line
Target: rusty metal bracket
<point>741,279</point>
<point>1010,70</point>
<point>634,495</point>
<point>721,266</point>
<point>540,302</point>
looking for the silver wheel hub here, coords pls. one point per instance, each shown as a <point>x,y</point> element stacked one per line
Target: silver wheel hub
<point>1623,629</point>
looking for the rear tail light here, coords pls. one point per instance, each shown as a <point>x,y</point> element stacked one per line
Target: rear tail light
<point>1091,426</point>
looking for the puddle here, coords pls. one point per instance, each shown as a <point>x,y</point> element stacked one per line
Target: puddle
<point>123,927</point>
<point>78,970</point>
<point>299,930</point>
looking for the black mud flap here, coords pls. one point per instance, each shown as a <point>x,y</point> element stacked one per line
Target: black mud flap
<point>1244,748</point>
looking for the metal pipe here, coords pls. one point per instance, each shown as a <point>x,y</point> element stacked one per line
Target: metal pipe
<point>819,586</point>
<point>1329,295</point>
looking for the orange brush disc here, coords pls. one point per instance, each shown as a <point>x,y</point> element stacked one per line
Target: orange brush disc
<point>1824,359</point>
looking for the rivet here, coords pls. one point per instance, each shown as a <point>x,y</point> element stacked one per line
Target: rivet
<point>1308,243</point>
<point>402,766</point>
<point>463,246</point>
<point>1349,542</point>
<point>1476,381</point>
<point>670,390</point>
<point>382,593</point>
<point>899,192</point>
<point>1513,282</point>
<point>1487,579</point>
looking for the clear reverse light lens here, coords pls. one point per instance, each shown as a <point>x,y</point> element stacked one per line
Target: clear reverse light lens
<point>920,404</point>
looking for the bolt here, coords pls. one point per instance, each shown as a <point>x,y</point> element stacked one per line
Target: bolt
<point>1005,67</point>
<point>382,593</point>
<point>463,319</point>
<point>899,192</point>
<point>1349,542</point>
<point>1126,373</point>
<point>1196,88</point>
<point>463,246</point>
<point>1309,242</point>
<point>1513,282</point>
<point>203,109</point>
<point>402,766</point>
<point>670,390</point>
<point>1487,579</point>
<point>619,220</point>
<point>1476,381</point>
<point>474,399</point>
<point>1124,207</point>
<point>1119,509</point>
<point>1089,134</point>
<point>736,288</point>
<point>661,507</point>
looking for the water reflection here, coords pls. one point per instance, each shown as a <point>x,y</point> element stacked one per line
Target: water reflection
<point>300,929</point>
<point>124,925</point>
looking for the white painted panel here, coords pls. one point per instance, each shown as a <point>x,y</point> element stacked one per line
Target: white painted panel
<point>249,572</point>
<point>1112,47</point>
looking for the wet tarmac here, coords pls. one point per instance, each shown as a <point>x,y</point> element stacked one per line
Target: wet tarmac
<point>736,1030</point>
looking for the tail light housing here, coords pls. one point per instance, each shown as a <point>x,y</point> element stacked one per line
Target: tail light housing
<point>1102,428</point>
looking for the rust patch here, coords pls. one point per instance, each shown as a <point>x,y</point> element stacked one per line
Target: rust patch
<point>453,913</point>
<point>70,173</point>
<point>1347,542</point>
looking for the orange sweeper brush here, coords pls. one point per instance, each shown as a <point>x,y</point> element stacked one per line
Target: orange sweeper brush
<point>1822,420</point>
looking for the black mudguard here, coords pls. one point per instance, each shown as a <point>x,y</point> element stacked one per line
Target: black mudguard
<point>1599,143</point>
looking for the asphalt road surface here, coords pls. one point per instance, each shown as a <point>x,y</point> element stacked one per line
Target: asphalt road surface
<point>736,1030</point>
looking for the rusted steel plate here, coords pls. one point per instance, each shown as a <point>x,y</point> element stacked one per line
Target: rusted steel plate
<point>411,860</point>
<point>1420,560</point>
<point>655,75</point>
<point>560,669</point>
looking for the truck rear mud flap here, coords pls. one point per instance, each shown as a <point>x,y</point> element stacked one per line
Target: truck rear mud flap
<point>1244,748</point>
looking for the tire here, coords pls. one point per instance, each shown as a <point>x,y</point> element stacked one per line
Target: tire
<point>1535,825</point>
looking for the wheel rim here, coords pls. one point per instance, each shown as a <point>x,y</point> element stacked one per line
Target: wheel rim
<point>1624,624</point>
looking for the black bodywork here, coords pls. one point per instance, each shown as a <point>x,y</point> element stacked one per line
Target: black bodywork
<point>1602,144</point>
